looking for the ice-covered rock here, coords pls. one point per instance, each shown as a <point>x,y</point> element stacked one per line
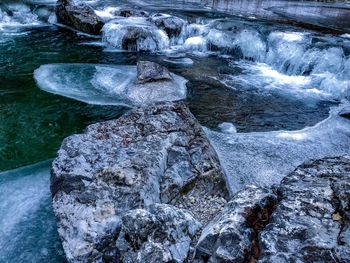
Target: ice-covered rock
<point>134,34</point>
<point>78,15</point>
<point>148,71</point>
<point>107,84</point>
<point>311,219</point>
<point>171,24</point>
<point>157,154</point>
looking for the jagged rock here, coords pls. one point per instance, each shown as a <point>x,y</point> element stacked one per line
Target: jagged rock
<point>311,221</point>
<point>232,236</point>
<point>162,233</point>
<point>157,154</point>
<point>79,16</point>
<point>149,72</point>
<point>345,112</point>
<point>172,25</point>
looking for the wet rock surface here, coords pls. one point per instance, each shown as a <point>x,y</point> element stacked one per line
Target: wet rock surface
<point>305,219</point>
<point>233,235</point>
<point>79,16</point>
<point>115,173</point>
<point>311,221</point>
<point>162,233</point>
<point>149,72</point>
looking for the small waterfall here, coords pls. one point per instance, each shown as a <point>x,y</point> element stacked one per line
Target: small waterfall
<point>16,16</point>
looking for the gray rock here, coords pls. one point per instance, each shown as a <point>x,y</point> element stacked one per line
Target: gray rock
<point>172,25</point>
<point>162,233</point>
<point>79,16</point>
<point>311,221</point>
<point>149,72</point>
<point>157,154</point>
<point>232,236</point>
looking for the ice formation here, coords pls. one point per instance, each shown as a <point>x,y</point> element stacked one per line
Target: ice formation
<point>106,84</point>
<point>264,158</point>
<point>26,216</point>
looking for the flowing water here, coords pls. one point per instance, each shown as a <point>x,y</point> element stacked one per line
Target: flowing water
<point>243,75</point>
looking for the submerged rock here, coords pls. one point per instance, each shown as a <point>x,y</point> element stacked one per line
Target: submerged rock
<point>79,16</point>
<point>149,72</point>
<point>115,173</point>
<point>311,221</point>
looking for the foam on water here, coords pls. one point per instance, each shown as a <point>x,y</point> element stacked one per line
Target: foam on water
<point>15,17</point>
<point>27,226</point>
<point>264,158</point>
<point>106,84</point>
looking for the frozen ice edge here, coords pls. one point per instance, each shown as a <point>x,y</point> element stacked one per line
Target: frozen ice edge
<point>105,84</point>
<point>264,158</point>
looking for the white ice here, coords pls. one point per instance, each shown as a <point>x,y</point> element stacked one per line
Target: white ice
<point>27,227</point>
<point>264,158</point>
<point>106,84</point>
<point>147,38</point>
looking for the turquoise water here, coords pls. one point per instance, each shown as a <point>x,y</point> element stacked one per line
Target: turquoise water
<point>33,123</point>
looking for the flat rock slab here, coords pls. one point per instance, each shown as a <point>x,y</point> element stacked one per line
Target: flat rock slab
<point>153,155</point>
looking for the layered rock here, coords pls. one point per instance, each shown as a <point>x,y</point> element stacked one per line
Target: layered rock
<point>79,16</point>
<point>305,219</point>
<point>311,221</point>
<point>106,184</point>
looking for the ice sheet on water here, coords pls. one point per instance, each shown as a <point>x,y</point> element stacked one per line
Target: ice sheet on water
<point>106,84</point>
<point>27,225</point>
<point>264,158</point>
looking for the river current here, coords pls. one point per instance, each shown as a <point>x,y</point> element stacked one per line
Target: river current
<point>266,81</point>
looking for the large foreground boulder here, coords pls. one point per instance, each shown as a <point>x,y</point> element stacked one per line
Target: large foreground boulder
<point>306,219</point>
<point>311,221</point>
<point>107,182</point>
<point>79,16</point>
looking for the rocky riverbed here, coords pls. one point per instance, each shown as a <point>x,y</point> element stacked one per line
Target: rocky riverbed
<point>210,137</point>
<point>149,187</point>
